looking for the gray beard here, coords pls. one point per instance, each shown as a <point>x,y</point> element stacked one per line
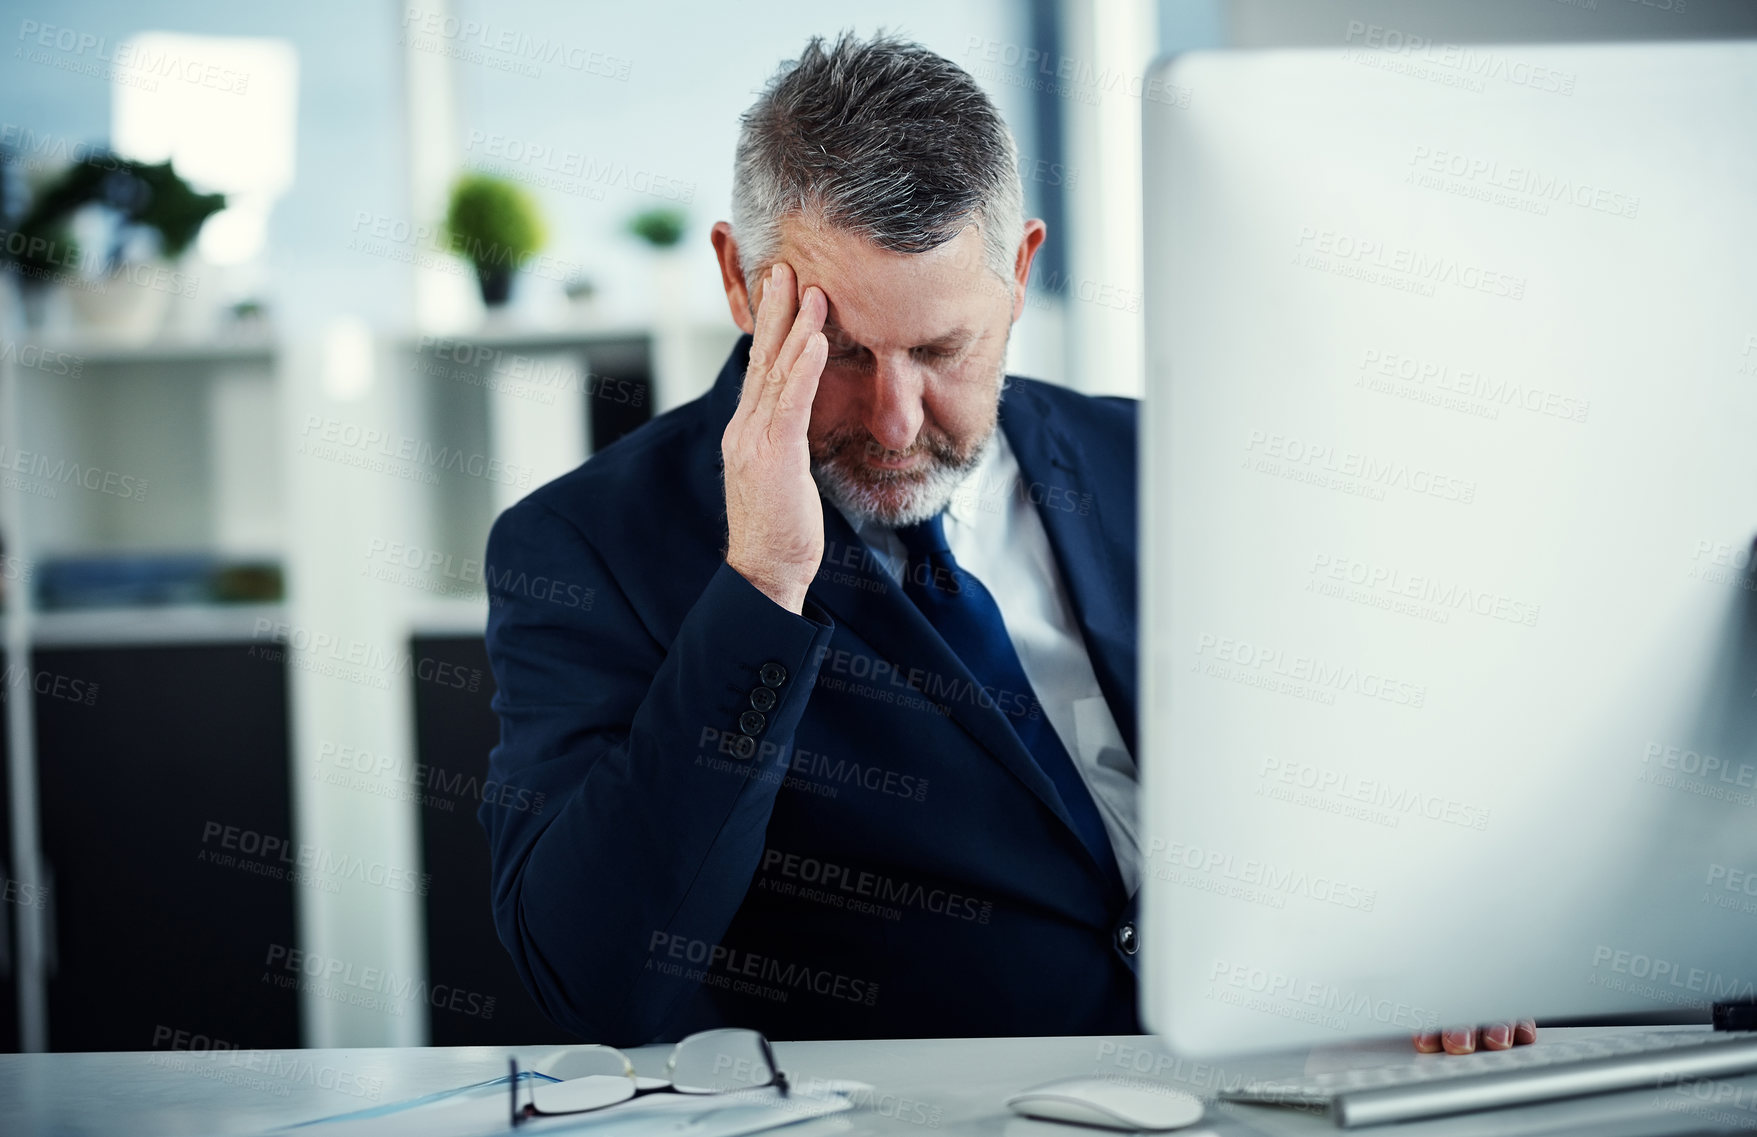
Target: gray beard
<point>928,493</point>
<point>933,488</point>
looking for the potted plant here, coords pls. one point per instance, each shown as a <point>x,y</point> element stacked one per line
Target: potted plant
<point>494,225</point>
<point>43,257</point>
<point>147,213</point>
<point>662,230</point>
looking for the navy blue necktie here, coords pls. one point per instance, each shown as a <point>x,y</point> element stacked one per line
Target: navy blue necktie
<point>966,616</point>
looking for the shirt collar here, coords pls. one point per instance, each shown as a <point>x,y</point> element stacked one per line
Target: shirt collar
<point>983,492</point>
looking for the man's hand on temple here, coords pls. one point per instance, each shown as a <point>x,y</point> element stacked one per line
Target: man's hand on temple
<point>1466,1040</point>
<point>774,519</point>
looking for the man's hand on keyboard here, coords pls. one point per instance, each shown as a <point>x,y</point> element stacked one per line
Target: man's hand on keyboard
<point>1465,1040</point>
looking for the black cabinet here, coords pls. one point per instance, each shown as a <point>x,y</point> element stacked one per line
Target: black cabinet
<point>454,731</point>
<point>14,895</point>
<point>165,815</point>
<point>619,394</point>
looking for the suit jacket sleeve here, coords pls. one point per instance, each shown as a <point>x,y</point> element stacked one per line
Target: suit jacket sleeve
<point>648,833</point>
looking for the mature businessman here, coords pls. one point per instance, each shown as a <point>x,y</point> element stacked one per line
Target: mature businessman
<point>844,744</point>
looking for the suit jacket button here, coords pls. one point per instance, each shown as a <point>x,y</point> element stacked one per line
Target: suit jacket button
<point>772,674</point>
<point>752,722</point>
<point>1127,940</point>
<point>744,747</point>
<point>763,698</point>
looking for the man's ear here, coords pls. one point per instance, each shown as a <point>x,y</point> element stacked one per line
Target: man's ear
<point>732,277</point>
<point>1035,231</point>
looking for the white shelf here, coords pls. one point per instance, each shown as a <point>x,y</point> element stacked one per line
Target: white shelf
<point>530,339</point>
<point>166,624</point>
<point>449,616</point>
<point>241,347</point>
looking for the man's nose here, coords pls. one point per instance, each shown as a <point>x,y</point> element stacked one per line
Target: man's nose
<point>893,408</point>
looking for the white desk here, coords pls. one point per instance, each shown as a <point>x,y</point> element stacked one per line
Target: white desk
<point>924,1088</point>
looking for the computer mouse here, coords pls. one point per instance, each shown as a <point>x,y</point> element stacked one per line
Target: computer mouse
<point>1109,1104</point>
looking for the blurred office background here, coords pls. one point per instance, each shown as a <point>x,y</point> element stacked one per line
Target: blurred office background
<point>245,484</point>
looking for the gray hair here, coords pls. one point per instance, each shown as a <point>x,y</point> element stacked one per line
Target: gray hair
<point>882,138</point>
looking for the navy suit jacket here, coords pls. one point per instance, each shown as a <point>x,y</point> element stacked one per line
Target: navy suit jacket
<point>888,861</point>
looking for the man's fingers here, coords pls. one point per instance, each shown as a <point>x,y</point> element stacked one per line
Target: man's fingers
<point>792,412</point>
<point>774,312</point>
<point>1462,1040</point>
<point>779,385</point>
<point>813,308</point>
<point>774,315</point>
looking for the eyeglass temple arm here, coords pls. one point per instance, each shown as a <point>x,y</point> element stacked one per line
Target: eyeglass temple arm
<point>769,1053</point>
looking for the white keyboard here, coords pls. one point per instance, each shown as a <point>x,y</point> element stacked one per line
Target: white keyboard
<point>1490,1079</point>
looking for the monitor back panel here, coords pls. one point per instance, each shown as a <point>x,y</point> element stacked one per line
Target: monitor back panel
<point>1450,491</point>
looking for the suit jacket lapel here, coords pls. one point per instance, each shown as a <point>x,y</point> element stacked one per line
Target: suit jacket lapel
<point>1091,530</point>
<point>854,586</point>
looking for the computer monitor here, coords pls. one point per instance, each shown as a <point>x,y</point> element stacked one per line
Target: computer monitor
<point>1449,623</point>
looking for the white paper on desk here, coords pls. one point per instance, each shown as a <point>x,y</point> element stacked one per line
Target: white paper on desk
<point>677,1115</point>
<point>684,1115</point>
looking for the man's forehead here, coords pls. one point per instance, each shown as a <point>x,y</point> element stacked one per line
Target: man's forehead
<point>877,295</point>
<point>946,332</point>
<point>812,246</point>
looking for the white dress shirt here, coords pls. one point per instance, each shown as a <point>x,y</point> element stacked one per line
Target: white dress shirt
<point>996,535</point>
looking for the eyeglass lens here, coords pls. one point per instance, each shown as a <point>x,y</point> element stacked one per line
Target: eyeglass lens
<point>718,1060</point>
